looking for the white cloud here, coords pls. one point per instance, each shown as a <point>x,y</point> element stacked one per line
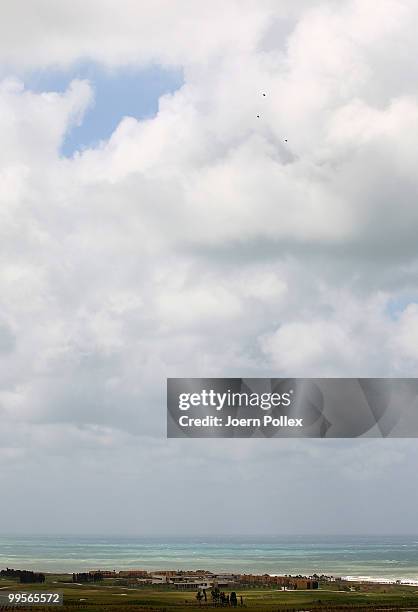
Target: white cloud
<point>405,341</point>
<point>33,125</point>
<point>200,242</point>
<point>135,33</point>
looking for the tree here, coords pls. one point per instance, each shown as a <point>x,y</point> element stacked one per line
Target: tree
<point>215,593</point>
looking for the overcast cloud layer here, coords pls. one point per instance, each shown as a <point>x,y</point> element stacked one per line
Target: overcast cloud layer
<point>206,241</point>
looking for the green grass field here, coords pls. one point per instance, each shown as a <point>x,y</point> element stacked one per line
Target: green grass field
<point>108,597</point>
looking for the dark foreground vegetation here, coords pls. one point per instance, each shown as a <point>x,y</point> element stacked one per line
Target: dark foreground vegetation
<point>24,576</point>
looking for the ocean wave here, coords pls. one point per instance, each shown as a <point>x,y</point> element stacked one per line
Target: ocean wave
<point>382,580</point>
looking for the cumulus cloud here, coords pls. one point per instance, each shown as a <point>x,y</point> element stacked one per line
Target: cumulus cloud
<point>134,33</point>
<point>204,241</point>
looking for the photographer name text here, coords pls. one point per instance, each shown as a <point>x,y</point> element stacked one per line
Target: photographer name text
<point>215,421</point>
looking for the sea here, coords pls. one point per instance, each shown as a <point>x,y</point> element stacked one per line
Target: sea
<point>385,558</point>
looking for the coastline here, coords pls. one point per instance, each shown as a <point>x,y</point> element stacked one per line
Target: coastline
<point>380,580</point>
<point>384,559</point>
<point>334,578</point>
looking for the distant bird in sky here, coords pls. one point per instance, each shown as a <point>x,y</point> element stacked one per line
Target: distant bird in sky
<point>258,116</point>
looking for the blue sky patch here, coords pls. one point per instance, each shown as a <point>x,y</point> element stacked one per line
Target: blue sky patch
<point>398,304</point>
<point>117,94</point>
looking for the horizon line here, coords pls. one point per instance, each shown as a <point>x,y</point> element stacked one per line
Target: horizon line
<point>206,535</point>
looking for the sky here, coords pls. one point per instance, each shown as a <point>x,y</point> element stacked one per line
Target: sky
<point>116,93</point>
<point>151,225</point>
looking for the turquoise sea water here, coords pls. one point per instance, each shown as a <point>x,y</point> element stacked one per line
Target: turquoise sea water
<point>390,557</point>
